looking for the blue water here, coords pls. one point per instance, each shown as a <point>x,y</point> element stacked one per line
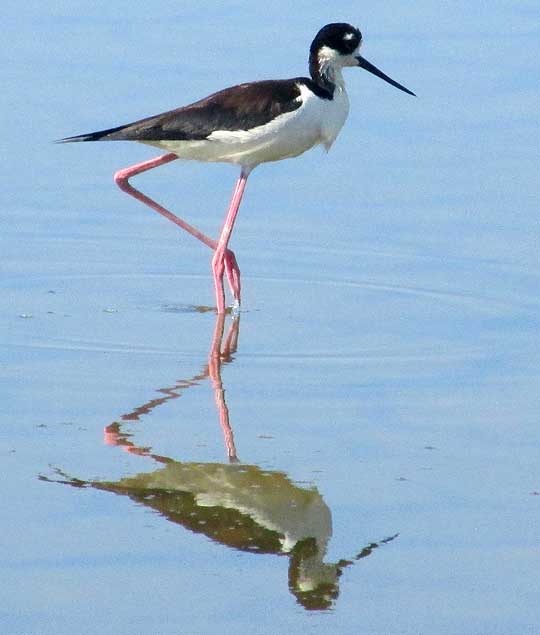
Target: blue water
<point>379,471</point>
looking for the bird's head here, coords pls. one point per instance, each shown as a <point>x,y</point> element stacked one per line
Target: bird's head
<point>337,45</point>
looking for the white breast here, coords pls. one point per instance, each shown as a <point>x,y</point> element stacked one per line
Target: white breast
<point>316,121</point>
<point>335,116</point>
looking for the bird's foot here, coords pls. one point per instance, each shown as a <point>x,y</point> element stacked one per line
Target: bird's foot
<point>233,275</point>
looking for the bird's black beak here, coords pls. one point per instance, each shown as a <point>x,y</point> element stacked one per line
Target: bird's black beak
<point>367,66</point>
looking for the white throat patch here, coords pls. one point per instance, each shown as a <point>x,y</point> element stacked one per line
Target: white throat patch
<point>331,62</point>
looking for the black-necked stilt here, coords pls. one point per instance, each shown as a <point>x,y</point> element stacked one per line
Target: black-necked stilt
<point>249,124</point>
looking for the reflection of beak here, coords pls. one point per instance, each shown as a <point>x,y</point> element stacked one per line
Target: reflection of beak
<point>367,66</point>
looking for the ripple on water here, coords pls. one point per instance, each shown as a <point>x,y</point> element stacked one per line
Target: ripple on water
<point>323,317</point>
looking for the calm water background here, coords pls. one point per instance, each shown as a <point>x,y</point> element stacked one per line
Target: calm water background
<point>387,363</point>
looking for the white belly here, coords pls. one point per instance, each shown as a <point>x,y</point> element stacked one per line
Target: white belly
<point>316,121</point>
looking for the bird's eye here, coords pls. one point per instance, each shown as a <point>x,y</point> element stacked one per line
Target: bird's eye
<point>350,41</point>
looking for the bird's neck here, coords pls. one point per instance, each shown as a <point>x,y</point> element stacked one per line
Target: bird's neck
<point>325,73</point>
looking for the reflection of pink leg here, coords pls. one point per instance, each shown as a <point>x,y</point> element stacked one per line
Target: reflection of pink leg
<point>214,370</point>
<point>122,180</point>
<point>220,353</point>
<point>219,260</point>
<point>113,436</point>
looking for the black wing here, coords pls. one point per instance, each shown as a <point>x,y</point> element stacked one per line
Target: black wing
<point>240,107</point>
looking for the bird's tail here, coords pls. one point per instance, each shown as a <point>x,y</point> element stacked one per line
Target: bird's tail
<point>100,135</point>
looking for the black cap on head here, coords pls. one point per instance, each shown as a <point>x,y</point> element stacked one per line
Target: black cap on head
<point>340,36</point>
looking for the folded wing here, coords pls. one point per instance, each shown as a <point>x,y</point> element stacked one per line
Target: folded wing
<point>240,107</point>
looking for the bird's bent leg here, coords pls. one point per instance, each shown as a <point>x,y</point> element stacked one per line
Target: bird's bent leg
<point>219,260</point>
<point>122,180</point>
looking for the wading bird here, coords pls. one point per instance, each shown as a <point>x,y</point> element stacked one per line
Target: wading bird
<point>249,124</point>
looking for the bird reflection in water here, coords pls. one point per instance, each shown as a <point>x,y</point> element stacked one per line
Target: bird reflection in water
<point>238,505</point>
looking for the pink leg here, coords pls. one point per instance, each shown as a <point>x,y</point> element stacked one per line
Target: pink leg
<point>122,180</point>
<point>218,261</point>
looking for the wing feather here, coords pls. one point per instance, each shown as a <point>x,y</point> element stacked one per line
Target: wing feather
<point>240,107</point>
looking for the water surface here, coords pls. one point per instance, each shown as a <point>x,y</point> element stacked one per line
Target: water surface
<point>363,458</point>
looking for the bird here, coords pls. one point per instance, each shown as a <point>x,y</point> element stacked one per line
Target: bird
<point>246,125</point>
